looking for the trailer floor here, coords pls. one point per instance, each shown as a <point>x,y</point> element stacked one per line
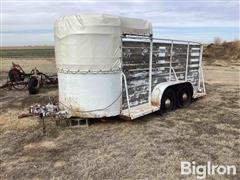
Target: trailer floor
<point>149,147</point>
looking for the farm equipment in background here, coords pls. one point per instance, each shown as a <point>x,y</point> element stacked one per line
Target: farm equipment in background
<point>34,80</point>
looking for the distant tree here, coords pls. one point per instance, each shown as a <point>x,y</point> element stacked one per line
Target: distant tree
<point>217,40</point>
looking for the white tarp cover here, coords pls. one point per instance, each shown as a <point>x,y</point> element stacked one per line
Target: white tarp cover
<point>101,24</point>
<point>92,41</point>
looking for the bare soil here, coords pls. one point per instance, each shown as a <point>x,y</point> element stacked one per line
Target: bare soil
<point>150,147</point>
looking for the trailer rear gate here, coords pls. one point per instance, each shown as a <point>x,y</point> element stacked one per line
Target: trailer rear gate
<point>170,60</point>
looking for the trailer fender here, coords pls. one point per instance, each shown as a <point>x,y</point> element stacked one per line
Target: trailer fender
<point>159,89</point>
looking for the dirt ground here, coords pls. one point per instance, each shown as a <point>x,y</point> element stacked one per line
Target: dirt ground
<point>150,147</point>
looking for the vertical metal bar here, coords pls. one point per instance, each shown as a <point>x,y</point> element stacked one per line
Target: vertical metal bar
<point>43,125</point>
<point>174,73</point>
<point>203,83</point>
<point>126,90</point>
<point>121,61</point>
<point>200,65</point>
<point>150,71</point>
<point>186,73</point>
<point>204,89</point>
<point>171,54</point>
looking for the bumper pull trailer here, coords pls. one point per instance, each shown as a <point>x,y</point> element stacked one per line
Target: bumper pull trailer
<point>112,66</point>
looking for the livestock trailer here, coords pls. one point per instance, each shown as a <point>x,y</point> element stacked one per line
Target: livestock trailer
<point>113,66</point>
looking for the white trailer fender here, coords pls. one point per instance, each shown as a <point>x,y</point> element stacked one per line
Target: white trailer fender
<point>159,89</point>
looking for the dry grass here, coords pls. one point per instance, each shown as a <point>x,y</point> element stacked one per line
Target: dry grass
<point>27,52</point>
<point>228,53</point>
<point>150,147</point>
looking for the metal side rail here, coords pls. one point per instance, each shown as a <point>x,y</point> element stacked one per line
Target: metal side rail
<point>126,91</point>
<point>201,82</point>
<point>137,111</point>
<point>203,93</point>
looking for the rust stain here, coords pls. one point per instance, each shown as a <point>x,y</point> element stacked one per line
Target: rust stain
<point>156,104</point>
<point>76,110</point>
<point>156,98</point>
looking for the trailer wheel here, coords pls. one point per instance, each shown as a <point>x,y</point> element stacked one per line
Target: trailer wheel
<point>33,86</point>
<point>15,75</point>
<point>184,96</point>
<point>16,78</point>
<point>168,101</point>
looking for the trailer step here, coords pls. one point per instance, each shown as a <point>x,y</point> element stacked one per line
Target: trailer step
<point>138,111</point>
<point>198,95</point>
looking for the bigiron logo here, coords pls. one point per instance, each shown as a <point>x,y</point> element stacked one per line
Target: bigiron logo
<point>201,171</point>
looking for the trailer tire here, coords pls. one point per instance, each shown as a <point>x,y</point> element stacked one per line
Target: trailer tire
<point>33,86</point>
<point>184,96</point>
<point>168,101</point>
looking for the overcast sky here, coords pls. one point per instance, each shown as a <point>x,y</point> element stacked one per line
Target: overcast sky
<point>29,22</point>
